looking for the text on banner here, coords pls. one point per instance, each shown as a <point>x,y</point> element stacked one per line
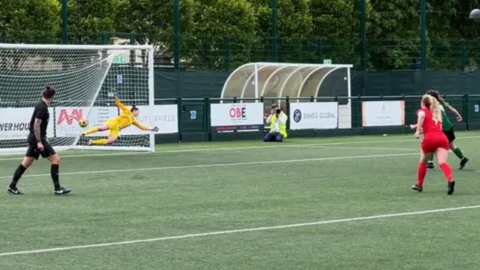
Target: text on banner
<point>236,116</point>
<point>383,113</point>
<point>313,115</point>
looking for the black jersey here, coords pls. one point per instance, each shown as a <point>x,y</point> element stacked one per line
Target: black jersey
<point>40,112</point>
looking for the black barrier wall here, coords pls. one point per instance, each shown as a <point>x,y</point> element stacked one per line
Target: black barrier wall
<point>195,84</point>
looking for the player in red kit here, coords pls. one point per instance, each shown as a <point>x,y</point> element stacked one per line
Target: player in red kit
<point>429,122</point>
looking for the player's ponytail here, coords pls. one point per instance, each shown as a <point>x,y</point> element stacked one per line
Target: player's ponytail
<point>433,105</point>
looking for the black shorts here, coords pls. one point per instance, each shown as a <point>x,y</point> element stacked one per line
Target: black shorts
<point>450,135</point>
<point>33,150</point>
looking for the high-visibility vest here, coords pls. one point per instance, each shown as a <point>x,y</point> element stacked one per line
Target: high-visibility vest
<point>283,127</point>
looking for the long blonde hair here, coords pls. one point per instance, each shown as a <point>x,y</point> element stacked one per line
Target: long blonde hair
<point>433,105</point>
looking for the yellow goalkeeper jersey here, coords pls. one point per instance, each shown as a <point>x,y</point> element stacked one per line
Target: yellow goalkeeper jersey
<point>126,118</point>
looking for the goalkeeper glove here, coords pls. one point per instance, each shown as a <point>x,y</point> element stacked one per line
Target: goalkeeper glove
<point>155,129</point>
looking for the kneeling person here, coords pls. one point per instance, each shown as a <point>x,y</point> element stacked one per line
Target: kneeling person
<point>278,125</point>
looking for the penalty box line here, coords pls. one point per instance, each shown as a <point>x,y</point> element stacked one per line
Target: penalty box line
<point>216,165</point>
<point>227,232</point>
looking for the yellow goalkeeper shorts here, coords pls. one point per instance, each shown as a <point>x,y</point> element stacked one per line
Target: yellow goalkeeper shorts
<point>114,127</point>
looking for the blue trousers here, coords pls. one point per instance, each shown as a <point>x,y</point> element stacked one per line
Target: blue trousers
<point>273,137</point>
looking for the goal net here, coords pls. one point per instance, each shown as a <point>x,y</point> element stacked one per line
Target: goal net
<point>84,77</point>
<point>300,82</point>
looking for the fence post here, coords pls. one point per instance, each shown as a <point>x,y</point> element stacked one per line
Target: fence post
<point>176,34</point>
<point>287,109</point>
<point>359,114</point>
<point>463,55</point>
<point>465,110</point>
<point>64,21</point>
<point>207,126</point>
<point>104,38</point>
<point>227,53</point>
<point>179,120</point>
<point>274,31</point>
<point>319,51</point>
<point>423,33</point>
<point>4,35</point>
<point>362,35</point>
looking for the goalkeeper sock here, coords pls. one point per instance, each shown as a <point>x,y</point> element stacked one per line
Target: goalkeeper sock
<point>458,152</point>
<point>17,175</point>
<point>54,173</point>
<point>100,142</point>
<point>92,130</point>
<point>431,159</point>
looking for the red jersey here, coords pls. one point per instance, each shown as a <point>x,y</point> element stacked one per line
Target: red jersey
<point>429,125</point>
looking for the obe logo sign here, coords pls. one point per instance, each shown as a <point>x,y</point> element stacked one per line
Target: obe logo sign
<point>234,117</point>
<point>238,112</point>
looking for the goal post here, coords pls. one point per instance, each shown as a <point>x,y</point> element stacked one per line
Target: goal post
<point>85,77</point>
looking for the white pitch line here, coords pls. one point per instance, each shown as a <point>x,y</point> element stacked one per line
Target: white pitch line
<point>257,229</point>
<point>213,149</point>
<point>218,165</point>
<point>364,148</point>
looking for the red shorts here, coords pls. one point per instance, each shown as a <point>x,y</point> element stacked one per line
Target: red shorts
<point>431,143</point>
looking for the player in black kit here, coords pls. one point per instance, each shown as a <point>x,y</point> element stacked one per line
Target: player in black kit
<point>39,145</point>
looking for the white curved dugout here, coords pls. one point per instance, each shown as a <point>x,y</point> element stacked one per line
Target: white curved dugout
<point>280,80</point>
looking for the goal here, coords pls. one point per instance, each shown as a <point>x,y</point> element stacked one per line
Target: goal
<point>300,82</point>
<point>85,77</point>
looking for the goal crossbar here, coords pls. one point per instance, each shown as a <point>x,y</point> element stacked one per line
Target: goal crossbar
<point>11,46</point>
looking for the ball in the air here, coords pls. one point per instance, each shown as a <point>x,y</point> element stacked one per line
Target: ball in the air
<point>83,123</point>
<point>475,15</point>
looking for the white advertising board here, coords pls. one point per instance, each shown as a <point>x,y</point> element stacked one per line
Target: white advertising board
<point>313,115</point>
<point>383,113</point>
<point>165,118</point>
<point>236,116</point>
<point>15,123</point>
<point>67,119</point>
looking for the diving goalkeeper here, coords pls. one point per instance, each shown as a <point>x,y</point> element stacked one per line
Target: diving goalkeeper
<point>126,118</point>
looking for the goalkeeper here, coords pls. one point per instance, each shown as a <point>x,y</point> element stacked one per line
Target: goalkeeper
<point>126,118</point>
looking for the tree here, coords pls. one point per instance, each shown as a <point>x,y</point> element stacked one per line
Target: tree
<point>393,37</point>
<point>152,22</point>
<point>453,34</point>
<point>30,21</point>
<point>87,19</point>
<point>215,23</point>
<point>336,23</point>
<point>294,25</point>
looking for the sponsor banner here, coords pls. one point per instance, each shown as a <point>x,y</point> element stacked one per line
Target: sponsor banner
<point>67,119</point>
<point>236,117</point>
<point>165,118</point>
<point>383,113</point>
<point>15,123</point>
<point>237,128</point>
<point>313,115</point>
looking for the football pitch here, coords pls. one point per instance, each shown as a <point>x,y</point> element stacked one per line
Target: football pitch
<point>333,203</point>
